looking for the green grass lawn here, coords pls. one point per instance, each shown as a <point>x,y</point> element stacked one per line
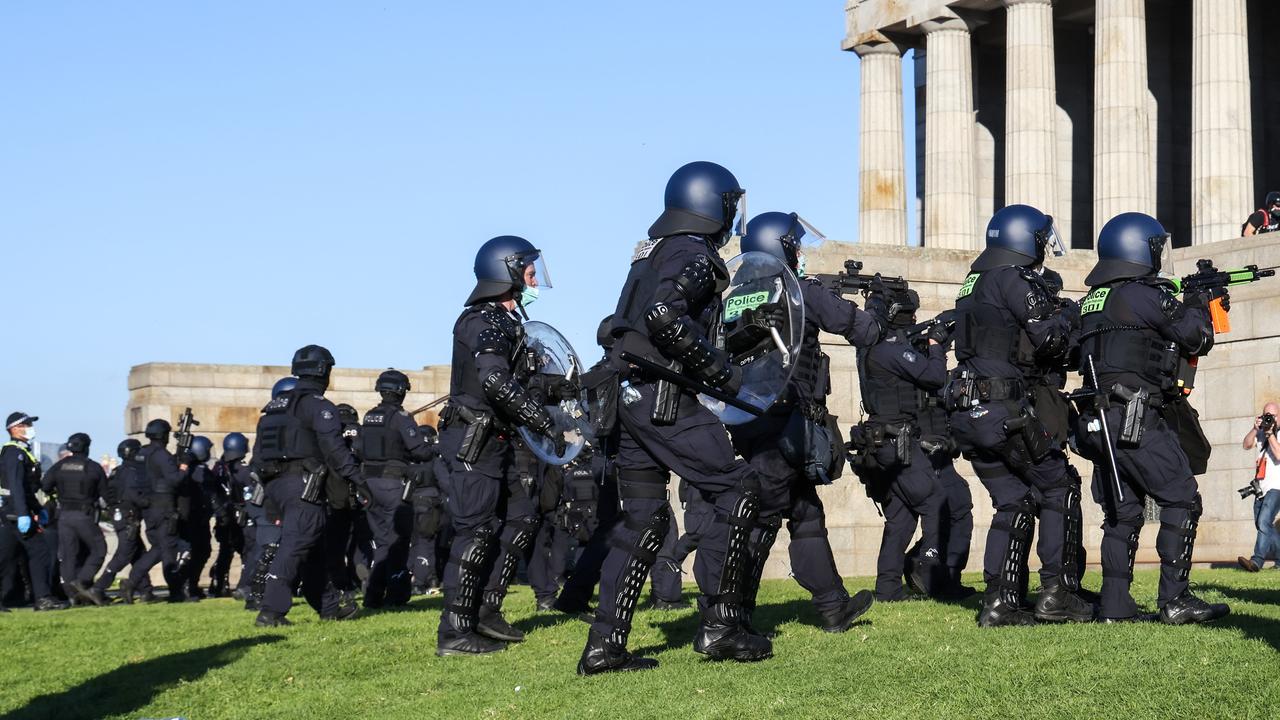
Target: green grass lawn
<point>914,659</point>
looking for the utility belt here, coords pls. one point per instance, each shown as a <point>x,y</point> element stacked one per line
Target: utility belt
<point>313,473</point>
<point>475,437</point>
<point>272,469</point>
<point>1133,404</point>
<point>123,513</point>
<point>388,469</point>
<point>82,506</point>
<point>811,410</point>
<point>964,390</point>
<point>642,484</point>
<point>870,435</point>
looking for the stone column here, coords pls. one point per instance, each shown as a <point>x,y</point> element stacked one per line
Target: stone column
<point>1221,120</point>
<point>949,167</point>
<point>1122,172</point>
<point>882,182</point>
<point>1030,159</point>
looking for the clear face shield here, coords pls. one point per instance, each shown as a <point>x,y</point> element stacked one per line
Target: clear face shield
<point>1051,241</point>
<point>811,240</point>
<point>736,209</point>
<point>531,268</point>
<point>1162,254</point>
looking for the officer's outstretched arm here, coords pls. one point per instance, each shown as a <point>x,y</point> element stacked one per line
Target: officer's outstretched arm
<point>676,336</point>
<point>838,316</point>
<point>927,371</point>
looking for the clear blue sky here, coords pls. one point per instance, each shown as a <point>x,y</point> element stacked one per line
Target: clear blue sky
<point>224,182</point>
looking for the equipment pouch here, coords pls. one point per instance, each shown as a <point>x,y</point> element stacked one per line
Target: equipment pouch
<point>666,403</point>
<point>959,392</point>
<point>474,437</point>
<point>258,495</point>
<point>1185,421</point>
<point>1134,418</point>
<point>602,387</point>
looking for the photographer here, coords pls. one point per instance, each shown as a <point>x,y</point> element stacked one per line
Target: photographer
<point>1265,488</point>
<point>1265,218</point>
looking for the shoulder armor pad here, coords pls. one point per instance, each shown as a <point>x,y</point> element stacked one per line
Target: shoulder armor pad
<point>1160,283</point>
<point>493,341</point>
<point>697,279</point>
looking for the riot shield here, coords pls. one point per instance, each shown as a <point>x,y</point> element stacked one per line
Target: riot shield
<point>761,327</point>
<point>553,367</point>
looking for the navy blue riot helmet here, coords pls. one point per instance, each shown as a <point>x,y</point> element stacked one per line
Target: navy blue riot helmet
<point>702,198</point>
<point>282,386</point>
<point>775,233</point>
<point>1130,245</point>
<point>1018,235</point>
<point>234,447</point>
<point>501,267</point>
<point>201,446</point>
<point>158,430</point>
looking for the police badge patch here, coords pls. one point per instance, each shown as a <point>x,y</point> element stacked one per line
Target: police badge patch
<point>326,414</point>
<point>909,356</point>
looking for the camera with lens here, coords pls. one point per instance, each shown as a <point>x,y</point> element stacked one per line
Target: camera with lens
<point>1250,490</point>
<point>1268,422</point>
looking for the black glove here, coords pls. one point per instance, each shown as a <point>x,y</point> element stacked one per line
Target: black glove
<point>1070,309</point>
<point>879,309</point>
<point>940,333</point>
<point>769,315</point>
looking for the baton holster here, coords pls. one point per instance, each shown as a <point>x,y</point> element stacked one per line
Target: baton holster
<point>1133,418</point>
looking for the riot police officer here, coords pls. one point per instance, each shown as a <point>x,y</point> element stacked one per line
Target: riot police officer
<point>196,501</point>
<point>20,513</point>
<point>262,522</point>
<point>160,516</point>
<point>299,441</point>
<point>1137,342</point>
<point>232,489</point>
<point>79,484</point>
<point>427,501</point>
<point>390,445</point>
<point>486,392</point>
<point>1006,322</point>
<point>781,446</point>
<point>127,491</point>
<point>895,379</point>
<point>670,299</point>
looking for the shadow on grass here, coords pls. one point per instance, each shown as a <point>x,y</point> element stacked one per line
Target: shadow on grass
<point>128,688</point>
<point>767,619</point>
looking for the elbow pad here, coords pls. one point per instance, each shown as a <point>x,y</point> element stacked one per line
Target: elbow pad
<point>676,338</point>
<point>513,400</point>
<point>1054,346</point>
<point>697,280</point>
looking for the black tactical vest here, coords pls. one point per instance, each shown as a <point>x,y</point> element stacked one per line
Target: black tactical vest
<point>73,484</point>
<point>379,441</point>
<point>984,327</point>
<point>282,436</point>
<point>885,396</point>
<point>1119,344</point>
<point>465,385</point>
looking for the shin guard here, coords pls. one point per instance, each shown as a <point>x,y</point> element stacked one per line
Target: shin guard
<point>640,558</point>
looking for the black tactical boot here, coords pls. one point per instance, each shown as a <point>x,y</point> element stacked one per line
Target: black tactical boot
<point>681,604</point>
<point>97,597</point>
<point>1187,608</point>
<point>492,624</point>
<point>49,603</point>
<point>601,655</point>
<point>456,637</point>
<point>1057,604</point>
<point>546,604</point>
<point>956,589</point>
<point>843,617</point>
<point>721,636</point>
<point>996,612</point>
<point>270,619</point>
<point>1139,618</point>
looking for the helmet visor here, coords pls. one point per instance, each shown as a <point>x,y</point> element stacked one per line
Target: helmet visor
<point>813,237</point>
<point>736,210</point>
<point>1162,253</point>
<point>1052,244</point>
<point>530,269</point>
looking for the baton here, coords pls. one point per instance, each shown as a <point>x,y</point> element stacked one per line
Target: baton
<point>676,378</point>
<point>1106,432</point>
<point>430,405</point>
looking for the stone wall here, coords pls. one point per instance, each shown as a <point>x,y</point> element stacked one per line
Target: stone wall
<point>227,398</point>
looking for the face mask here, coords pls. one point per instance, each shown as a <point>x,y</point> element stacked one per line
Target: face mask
<point>31,433</point>
<point>800,265</point>
<point>528,295</point>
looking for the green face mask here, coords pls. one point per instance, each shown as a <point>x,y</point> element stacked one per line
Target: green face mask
<point>800,265</point>
<point>528,295</point>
